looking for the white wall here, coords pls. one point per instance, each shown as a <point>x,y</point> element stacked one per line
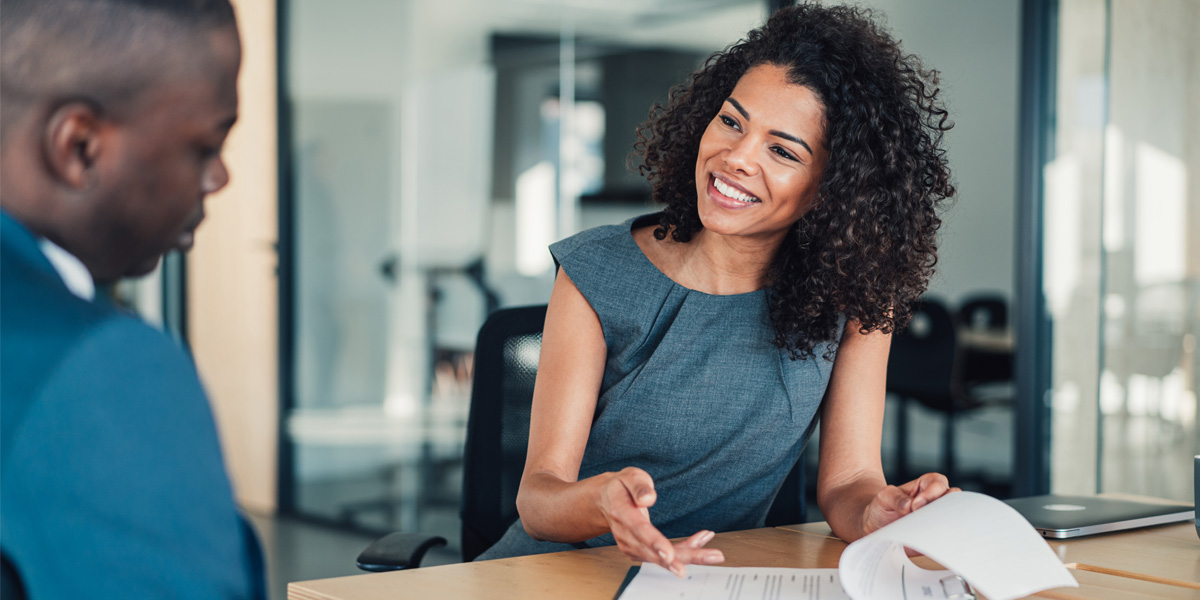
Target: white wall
<point>976,47</point>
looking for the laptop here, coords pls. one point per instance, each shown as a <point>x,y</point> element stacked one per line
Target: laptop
<point>1063,517</point>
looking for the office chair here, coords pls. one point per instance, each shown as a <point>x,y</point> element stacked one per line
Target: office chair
<point>927,364</point>
<point>986,313</point>
<point>922,366</point>
<point>506,360</point>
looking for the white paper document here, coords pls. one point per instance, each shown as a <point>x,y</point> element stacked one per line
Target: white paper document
<point>735,583</point>
<point>979,540</point>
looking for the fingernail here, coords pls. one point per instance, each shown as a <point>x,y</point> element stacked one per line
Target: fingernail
<point>679,570</point>
<point>714,558</point>
<point>918,503</point>
<point>646,499</point>
<point>663,555</point>
<point>904,504</point>
<point>708,536</point>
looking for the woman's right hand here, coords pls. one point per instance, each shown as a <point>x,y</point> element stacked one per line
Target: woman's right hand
<point>625,501</point>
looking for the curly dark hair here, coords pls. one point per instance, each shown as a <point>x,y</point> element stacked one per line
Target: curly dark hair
<point>868,246</point>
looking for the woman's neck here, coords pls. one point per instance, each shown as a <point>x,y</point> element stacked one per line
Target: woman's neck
<point>711,263</point>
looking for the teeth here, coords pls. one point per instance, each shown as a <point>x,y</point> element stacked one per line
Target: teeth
<point>732,192</point>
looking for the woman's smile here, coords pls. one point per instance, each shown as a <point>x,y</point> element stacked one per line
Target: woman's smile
<point>729,196</point>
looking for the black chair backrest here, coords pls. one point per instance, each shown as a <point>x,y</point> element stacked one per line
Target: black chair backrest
<point>922,359</point>
<point>506,361</point>
<point>10,580</point>
<point>985,311</point>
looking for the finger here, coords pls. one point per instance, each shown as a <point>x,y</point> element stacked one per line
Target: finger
<point>665,553</point>
<point>645,544</point>
<point>916,486</point>
<point>698,556</point>
<point>637,537</point>
<point>640,486</point>
<point>893,499</point>
<point>692,551</point>
<point>911,487</point>
<point>658,548</point>
<point>671,559</point>
<point>934,486</point>
<point>698,539</point>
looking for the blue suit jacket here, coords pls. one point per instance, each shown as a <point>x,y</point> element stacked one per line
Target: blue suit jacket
<point>112,483</point>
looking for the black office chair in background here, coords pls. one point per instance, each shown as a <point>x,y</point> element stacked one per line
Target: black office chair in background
<point>926,364</point>
<point>985,313</point>
<point>921,366</point>
<point>506,360</point>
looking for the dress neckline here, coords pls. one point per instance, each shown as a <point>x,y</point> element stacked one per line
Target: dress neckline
<point>652,219</point>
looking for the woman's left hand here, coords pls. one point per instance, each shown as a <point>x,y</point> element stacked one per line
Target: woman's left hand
<point>893,502</point>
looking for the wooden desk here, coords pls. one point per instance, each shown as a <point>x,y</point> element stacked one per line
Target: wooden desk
<point>987,339</point>
<point>1167,554</point>
<point>595,574</point>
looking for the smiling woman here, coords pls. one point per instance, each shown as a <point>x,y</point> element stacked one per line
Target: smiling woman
<point>755,173</point>
<point>868,247</point>
<point>688,355</point>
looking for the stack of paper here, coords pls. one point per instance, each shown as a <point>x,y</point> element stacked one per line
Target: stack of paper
<point>980,540</point>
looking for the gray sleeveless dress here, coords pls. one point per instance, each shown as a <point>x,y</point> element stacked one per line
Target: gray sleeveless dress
<point>693,392</point>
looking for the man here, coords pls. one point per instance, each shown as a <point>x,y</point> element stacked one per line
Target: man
<point>112,118</point>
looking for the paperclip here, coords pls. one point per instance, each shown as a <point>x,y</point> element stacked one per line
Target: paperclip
<point>964,590</point>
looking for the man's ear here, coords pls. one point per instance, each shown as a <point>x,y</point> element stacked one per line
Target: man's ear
<point>72,142</point>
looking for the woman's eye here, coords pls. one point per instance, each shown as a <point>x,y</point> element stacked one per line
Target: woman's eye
<point>783,153</point>
<point>729,122</point>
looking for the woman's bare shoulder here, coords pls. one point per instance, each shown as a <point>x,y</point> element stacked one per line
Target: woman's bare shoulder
<point>663,254</point>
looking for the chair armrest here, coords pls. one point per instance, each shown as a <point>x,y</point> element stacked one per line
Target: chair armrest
<point>397,551</point>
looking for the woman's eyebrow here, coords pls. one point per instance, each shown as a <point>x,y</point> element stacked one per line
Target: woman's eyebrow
<point>738,106</point>
<point>774,132</point>
<point>788,136</point>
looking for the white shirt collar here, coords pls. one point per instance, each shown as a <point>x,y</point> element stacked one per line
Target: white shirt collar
<point>76,276</point>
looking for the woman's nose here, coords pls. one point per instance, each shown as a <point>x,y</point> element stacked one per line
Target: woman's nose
<point>740,156</point>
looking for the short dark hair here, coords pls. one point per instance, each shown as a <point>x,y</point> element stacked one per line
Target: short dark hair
<point>868,246</point>
<point>102,51</point>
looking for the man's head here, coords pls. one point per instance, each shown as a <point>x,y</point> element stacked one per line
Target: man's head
<point>112,118</point>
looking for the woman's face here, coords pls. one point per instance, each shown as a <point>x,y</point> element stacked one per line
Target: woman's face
<point>761,157</point>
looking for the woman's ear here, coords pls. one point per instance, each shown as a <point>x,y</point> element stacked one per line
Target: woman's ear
<point>72,142</point>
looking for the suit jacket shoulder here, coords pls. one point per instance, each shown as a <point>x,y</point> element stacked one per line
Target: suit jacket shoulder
<point>112,479</point>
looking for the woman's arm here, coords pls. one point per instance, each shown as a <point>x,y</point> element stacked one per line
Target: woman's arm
<point>553,503</point>
<point>851,490</point>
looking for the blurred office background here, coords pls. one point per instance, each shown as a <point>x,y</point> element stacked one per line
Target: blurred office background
<point>401,165</point>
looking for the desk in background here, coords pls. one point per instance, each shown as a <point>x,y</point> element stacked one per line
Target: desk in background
<point>1149,560</point>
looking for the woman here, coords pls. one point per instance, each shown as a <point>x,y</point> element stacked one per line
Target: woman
<point>685,357</point>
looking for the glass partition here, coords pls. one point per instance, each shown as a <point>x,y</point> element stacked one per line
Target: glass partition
<point>1150,282</point>
<point>1072,255</point>
<point>1122,264</point>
